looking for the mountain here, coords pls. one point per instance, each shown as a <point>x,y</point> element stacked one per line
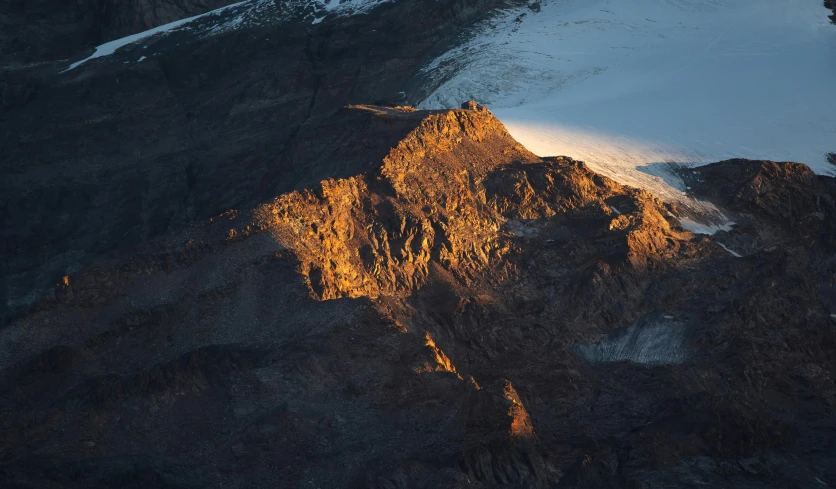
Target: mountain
<point>445,310</point>
<point>235,255</point>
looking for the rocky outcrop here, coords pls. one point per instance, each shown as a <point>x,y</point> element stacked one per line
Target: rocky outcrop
<point>773,204</point>
<point>420,316</point>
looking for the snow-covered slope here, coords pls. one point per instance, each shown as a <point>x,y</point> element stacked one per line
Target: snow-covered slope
<point>631,85</point>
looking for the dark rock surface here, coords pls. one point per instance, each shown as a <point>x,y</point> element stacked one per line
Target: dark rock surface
<point>418,320</point>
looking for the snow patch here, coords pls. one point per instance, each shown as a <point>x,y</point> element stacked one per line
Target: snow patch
<point>351,7</point>
<point>109,48</point>
<point>653,342</point>
<point>615,210</point>
<point>732,253</point>
<point>238,15</point>
<point>705,227</point>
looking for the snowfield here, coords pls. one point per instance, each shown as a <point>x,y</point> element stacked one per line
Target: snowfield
<point>629,86</point>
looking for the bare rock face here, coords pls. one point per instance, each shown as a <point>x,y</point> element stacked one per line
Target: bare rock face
<point>425,307</point>
<point>774,204</point>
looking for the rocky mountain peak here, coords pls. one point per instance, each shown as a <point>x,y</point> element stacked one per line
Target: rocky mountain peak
<point>427,303</point>
<point>456,191</point>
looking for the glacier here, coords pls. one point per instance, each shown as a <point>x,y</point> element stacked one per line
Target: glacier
<point>638,88</point>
